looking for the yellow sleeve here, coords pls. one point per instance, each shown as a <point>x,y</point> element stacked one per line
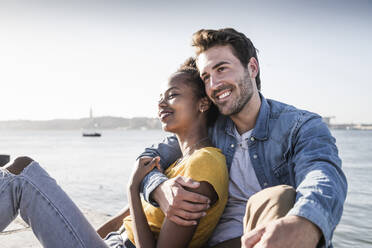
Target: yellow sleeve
<point>209,166</point>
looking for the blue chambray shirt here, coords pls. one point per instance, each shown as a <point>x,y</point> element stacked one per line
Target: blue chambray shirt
<point>287,146</point>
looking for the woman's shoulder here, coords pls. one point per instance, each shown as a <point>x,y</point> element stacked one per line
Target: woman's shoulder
<point>208,152</point>
<point>208,157</point>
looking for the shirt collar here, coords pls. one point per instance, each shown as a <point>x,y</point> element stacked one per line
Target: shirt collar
<point>261,128</point>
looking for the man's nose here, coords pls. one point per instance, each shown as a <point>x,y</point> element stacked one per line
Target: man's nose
<point>214,82</point>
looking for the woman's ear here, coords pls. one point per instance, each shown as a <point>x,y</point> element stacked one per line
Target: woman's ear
<point>204,104</point>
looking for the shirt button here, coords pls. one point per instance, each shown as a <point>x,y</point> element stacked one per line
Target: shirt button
<point>232,145</point>
<point>255,156</point>
<point>252,138</point>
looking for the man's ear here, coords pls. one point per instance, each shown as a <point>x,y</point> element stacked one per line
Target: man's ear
<point>204,104</point>
<point>253,67</point>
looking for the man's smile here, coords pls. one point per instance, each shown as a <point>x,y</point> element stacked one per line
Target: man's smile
<point>222,95</point>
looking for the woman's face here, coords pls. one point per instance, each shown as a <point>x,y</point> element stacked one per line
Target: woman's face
<point>178,105</point>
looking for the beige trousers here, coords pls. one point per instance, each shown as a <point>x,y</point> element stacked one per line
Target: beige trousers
<point>265,206</point>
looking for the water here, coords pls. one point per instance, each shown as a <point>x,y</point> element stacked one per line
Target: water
<point>94,171</point>
<point>355,228</point>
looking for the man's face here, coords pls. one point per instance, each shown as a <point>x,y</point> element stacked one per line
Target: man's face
<point>227,82</point>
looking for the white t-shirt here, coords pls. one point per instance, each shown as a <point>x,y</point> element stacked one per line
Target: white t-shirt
<point>242,184</point>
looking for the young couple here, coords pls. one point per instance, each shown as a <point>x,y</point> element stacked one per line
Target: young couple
<point>265,143</point>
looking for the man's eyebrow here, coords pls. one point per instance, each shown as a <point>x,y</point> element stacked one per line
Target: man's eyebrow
<point>215,66</point>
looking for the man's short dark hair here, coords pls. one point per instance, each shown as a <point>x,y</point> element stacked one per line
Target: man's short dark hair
<point>242,46</point>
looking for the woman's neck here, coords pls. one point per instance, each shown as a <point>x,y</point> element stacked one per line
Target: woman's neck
<point>193,140</point>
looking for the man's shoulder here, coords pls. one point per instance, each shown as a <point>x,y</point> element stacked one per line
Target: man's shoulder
<point>282,111</point>
<point>287,120</point>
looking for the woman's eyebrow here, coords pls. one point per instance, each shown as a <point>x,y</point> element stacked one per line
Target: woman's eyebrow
<point>171,88</point>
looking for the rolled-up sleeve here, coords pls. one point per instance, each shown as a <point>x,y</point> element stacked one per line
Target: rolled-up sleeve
<point>320,183</point>
<point>168,150</point>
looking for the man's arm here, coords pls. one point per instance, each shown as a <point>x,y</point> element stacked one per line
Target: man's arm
<point>168,151</point>
<point>320,192</point>
<point>178,204</point>
<point>321,185</point>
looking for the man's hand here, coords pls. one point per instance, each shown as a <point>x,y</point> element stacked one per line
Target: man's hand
<point>178,204</point>
<point>289,232</point>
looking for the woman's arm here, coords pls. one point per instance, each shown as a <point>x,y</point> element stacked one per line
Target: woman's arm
<point>114,223</point>
<point>171,234</point>
<point>143,237</point>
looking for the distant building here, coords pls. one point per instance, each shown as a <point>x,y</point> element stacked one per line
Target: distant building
<point>327,119</point>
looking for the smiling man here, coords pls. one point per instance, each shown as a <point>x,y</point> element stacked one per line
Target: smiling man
<point>286,185</point>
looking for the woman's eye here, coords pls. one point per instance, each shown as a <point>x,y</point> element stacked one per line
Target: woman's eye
<point>171,96</point>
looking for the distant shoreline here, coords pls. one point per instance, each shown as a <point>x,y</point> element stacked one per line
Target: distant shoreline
<point>97,123</point>
<point>110,122</point>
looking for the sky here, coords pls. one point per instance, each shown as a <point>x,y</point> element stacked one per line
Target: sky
<point>58,59</point>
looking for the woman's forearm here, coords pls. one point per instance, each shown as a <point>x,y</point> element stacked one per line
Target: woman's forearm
<point>142,233</point>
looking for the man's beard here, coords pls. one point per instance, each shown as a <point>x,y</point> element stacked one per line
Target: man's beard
<point>246,91</point>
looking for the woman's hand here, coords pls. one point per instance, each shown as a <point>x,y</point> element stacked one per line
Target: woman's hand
<point>142,168</point>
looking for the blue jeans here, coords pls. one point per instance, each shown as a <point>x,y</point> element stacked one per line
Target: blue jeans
<point>55,220</point>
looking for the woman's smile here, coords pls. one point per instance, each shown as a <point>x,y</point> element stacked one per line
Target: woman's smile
<point>164,114</point>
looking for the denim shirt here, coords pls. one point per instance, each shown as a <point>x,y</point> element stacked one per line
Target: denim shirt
<point>287,146</point>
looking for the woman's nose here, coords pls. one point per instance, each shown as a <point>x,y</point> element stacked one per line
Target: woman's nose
<point>162,102</point>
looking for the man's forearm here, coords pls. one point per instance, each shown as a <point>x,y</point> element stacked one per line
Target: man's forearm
<point>151,183</point>
<point>321,185</point>
<point>168,151</point>
<point>321,202</point>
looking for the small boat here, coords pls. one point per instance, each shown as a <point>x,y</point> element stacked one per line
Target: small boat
<point>95,134</point>
<point>92,133</point>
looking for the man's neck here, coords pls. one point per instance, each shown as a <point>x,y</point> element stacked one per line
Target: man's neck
<point>245,120</point>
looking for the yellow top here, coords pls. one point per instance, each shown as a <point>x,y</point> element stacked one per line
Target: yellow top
<point>206,164</point>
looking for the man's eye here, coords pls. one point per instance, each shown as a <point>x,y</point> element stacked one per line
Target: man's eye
<point>220,69</point>
<point>206,78</point>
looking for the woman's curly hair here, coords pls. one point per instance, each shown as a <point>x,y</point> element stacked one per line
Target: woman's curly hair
<point>193,78</point>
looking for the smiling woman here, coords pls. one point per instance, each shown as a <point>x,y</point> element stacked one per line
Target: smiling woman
<point>179,107</point>
<point>184,110</point>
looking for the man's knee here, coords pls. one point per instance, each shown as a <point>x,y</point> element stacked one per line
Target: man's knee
<point>19,164</point>
<point>277,193</point>
<point>267,205</point>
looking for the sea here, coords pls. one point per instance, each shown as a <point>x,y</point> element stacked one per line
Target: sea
<point>94,171</point>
